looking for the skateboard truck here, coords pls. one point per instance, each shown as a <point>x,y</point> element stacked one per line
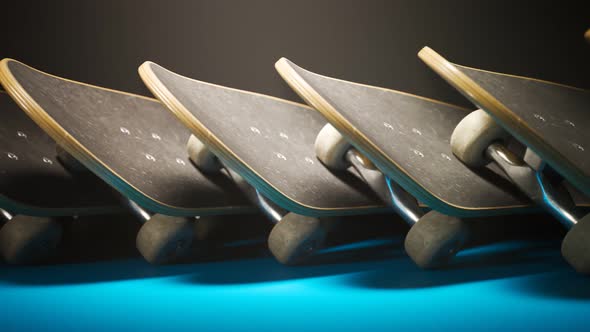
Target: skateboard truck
<point>206,161</point>
<point>478,139</point>
<point>433,239</point>
<point>388,191</point>
<point>533,183</point>
<point>76,167</point>
<point>5,216</point>
<point>293,237</point>
<point>272,211</point>
<point>162,239</point>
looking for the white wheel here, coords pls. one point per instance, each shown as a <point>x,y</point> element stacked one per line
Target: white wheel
<point>201,155</point>
<point>473,135</point>
<point>331,148</point>
<point>165,239</point>
<point>575,247</point>
<point>296,237</point>
<point>435,239</point>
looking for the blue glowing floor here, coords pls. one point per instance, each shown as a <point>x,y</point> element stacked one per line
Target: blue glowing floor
<point>510,286</point>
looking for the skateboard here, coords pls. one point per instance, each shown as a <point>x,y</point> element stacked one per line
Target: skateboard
<point>135,146</point>
<point>269,143</point>
<point>38,191</point>
<point>407,138</point>
<point>549,119</point>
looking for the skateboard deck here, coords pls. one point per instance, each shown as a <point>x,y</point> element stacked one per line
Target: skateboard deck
<point>33,181</point>
<point>407,137</point>
<point>551,119</point>
<point>268,141</point>
<point>129,141</point>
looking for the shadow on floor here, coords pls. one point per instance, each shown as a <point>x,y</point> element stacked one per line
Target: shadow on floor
<point>97,252</point>
<point>386,267</point>
<point>372,264</point>
<point>495,252</point>
<point>562,284</point>
<point>498,261</point>
<point>537,268</point>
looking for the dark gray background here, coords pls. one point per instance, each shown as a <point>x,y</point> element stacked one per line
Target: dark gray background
<point>236,43</point>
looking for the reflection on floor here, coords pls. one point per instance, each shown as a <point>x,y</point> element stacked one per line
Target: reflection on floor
<point>368,285</point>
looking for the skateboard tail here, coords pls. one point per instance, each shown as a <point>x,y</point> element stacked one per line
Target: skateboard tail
<point>81,153</point>
<point>290,73</point>
<point>503,115</point>
<point>224,152</point>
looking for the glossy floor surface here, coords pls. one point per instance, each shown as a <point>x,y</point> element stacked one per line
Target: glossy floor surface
<point>513,285</point>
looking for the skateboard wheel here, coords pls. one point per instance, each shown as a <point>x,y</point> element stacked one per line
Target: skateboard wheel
<point>473,135</point>
<point>201,156</point>
<point>435,239</point>
<point>575,247</point>
<point>165,239</point>
<point>29,240</point>
<point>331,148</point>
<point>295,237</point>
